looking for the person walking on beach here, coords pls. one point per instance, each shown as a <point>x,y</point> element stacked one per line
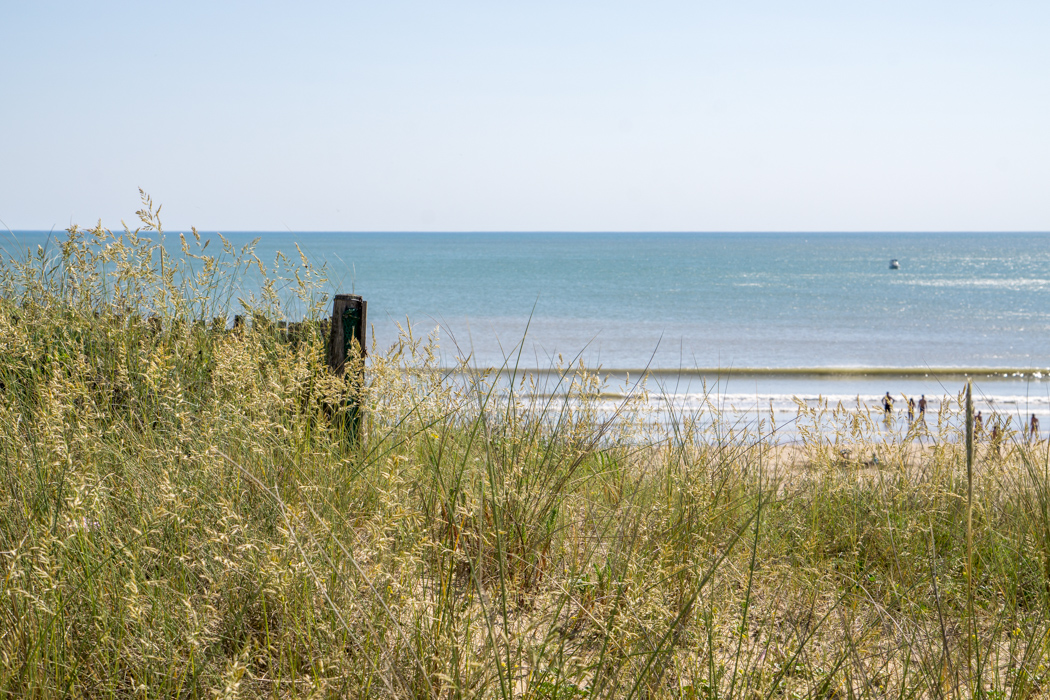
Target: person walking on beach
<point>997,436</point>
<point>1033,429</point>
<point>911,409</point>
<point>978,425</point>
<point>922,407</point>
<point>887,405</point>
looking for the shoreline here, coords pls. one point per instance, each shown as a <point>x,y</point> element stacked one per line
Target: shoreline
<point>993,373</point>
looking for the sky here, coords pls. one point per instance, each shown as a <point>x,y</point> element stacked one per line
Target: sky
<point>543,116</point>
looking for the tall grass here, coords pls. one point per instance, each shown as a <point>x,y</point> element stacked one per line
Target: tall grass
<point>184,517</point>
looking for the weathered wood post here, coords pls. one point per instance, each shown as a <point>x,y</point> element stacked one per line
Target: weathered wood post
<point>971,628</point>
<point>346,353</point>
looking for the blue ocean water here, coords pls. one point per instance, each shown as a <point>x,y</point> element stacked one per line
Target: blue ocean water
<point>704,301</point>
<point>697,300</point>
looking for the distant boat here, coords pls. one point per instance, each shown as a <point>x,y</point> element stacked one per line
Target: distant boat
<point>894,265</point>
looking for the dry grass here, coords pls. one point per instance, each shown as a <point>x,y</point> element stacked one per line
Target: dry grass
<point>181,518</point>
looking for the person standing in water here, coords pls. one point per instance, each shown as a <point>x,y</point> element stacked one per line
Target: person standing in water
<point>911,409</point>
<point>887,405</point>
<point>1033,429</point>
<point>922,407</point>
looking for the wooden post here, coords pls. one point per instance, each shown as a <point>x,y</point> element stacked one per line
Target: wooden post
<point>971,628</point>
<point>346,350</point>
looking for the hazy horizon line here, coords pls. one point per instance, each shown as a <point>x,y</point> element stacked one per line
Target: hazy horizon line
<point>859,232</point>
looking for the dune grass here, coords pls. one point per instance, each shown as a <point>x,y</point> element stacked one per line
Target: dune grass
<point>183,517</point>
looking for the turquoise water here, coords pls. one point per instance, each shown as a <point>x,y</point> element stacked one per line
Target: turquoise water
<point>688,301</point>
<point>707,300</point>
<point>699,300</point>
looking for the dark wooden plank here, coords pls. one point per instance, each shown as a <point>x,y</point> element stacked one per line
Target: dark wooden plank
<point>346,355</point>
<point>347,328</point>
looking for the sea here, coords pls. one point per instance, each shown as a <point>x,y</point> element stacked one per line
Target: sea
<point>759,320</point>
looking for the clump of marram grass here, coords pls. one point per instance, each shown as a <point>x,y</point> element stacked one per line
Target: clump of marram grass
<point>183,516</point>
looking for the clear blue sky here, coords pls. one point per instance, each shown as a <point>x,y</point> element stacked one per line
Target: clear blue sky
<point>742,115</point>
